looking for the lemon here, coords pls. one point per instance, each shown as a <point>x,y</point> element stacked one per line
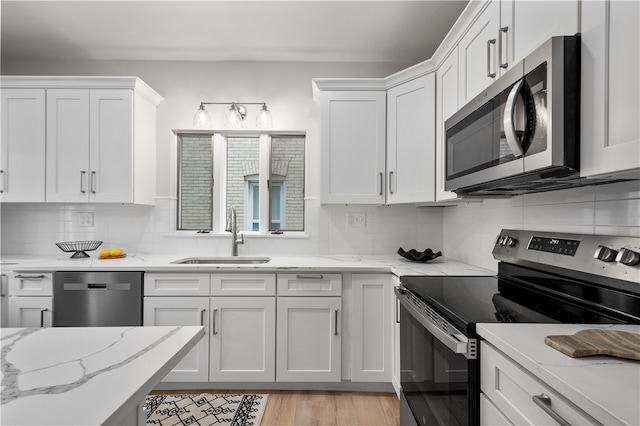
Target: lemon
<point>115,252</point>
<point>105,253</point>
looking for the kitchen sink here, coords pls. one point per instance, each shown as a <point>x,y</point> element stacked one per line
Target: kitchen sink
<point>222,260</point>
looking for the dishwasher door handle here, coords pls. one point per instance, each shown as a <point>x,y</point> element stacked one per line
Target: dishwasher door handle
<point>91,286</point>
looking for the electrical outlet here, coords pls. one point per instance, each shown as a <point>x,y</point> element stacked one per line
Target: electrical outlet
<point>356,220</point>
<point>85,219</point>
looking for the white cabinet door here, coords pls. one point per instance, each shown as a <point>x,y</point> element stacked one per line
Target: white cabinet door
<point>30,311</point>
<point>180,311</point>
<point>478,51</point>
<point>22,157</point>
<point>610,98</point>
<point>111,146</point>
<point>371,328</point>
<point>490,415</point>
<point>446,106</point>
<point>535,21</point>
<point>67,145</point>
<point>411,141</point>
<point>308,339</point>
<point>353,147</point>
<point>243,339</point>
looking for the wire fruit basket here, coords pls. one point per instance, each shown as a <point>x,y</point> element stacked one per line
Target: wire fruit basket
<point>79,247</point>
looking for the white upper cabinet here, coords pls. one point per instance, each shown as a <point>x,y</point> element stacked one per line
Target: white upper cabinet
<point>479,52</point>
<point>22,168</point>
<point>504,33</point>
<point>531,23</point>
<point>411,141</point>
<point>99,139</point>
<point>610,133</point>
<point>446,106</point>
<point>353,147</point>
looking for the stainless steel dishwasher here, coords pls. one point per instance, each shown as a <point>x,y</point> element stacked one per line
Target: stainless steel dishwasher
<point>97,299</point>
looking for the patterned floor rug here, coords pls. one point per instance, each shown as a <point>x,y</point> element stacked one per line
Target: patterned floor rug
<point>205,409</point>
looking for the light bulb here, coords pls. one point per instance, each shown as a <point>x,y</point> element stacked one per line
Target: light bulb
<point>264,119</point>
<point>202,118</point>
<point>233,118</point>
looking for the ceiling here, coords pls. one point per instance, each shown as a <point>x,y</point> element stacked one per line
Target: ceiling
<point>326,31</point>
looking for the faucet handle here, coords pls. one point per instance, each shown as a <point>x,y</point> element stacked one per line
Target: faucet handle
<point>241,240</point>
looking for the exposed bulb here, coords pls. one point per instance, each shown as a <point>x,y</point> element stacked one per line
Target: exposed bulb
<point>202,118</point>
<point>264,119</point>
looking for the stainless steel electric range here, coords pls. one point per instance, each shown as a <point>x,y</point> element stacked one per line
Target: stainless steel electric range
<point>542,278</point>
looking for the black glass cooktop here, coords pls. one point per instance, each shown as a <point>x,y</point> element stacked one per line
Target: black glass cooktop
<point>467,300</point>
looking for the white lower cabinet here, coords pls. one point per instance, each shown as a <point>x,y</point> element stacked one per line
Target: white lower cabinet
<point>183,311</point>
<point>243,339</point>
<point>395,359</point>
<point>308,339</point>
<point>371,327</point>
<point>30,311</point>
<point>512,393</point>
<point>30,300</point>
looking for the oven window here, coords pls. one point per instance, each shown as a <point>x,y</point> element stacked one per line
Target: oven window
<point>434,380</point>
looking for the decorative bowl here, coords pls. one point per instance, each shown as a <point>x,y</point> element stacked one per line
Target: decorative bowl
<point>417,256</point>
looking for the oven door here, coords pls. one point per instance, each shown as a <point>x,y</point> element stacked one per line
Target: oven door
<point>440,386</point>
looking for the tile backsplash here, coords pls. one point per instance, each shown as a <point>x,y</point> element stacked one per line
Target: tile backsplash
<point>465,232</point>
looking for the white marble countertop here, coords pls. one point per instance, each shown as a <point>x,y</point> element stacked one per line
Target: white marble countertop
<point>85,375</point>
<point>605,387</point>
<point>163,263</point>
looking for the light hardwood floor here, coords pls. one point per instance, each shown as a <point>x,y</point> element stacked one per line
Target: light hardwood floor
<point>324,408</point>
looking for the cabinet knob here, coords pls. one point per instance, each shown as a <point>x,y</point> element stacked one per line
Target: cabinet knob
<point>628,257</point>
<point>605,254</point>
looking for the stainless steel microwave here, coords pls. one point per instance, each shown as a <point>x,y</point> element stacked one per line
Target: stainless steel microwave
<point>522,133</point>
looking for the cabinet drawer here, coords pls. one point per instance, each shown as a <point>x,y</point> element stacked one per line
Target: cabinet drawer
<point>309,284</point>
<point>176,285</point>
<point>243,284</point>
<point>512,389</point>
<point>31,284</point>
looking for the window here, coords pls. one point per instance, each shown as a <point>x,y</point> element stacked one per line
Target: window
<point>262,176</point>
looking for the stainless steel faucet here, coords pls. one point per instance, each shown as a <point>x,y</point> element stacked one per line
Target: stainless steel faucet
<point>232,226</point>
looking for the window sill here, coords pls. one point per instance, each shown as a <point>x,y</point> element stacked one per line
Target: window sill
<point>247,235</point>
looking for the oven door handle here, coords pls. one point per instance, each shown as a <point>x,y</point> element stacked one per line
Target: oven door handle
<point>454,343</point>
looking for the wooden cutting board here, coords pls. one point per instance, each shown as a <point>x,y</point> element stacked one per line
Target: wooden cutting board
<point>589,342</point>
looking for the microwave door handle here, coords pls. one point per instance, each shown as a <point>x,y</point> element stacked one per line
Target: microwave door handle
<point>509,125</point>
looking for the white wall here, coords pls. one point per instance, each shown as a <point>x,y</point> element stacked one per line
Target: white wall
<point>287,89</point>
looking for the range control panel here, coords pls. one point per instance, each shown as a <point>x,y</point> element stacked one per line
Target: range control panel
<point>554,245</point>
<point>607,255</point>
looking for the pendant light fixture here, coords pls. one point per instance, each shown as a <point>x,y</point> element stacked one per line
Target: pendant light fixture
<point>235,116</point>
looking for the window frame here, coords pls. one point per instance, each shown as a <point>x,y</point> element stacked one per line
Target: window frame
<point>219,192</point>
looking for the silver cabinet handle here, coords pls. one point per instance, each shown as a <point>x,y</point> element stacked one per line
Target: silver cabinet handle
<point>3,285</point>
<point>544,401</point>
<point>501,45</point>
<point>390,184</point>
<point>82,178</point>
<point>93,182</point>
<point>42,311</point>
<point>202,317</point>
<point>381,183</point>
<point>397,310</point>
<point>509,125</point>
<point>29,277</point>
<point>213,324</point>
<point>2,176</point>
<point>490,43</point>
<point>335,331</point>
<point>310,277</point>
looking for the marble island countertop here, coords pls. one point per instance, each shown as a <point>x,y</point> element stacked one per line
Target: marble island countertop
<point>85,375</point>
<point>279,263</point>
<point>605,387</point>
